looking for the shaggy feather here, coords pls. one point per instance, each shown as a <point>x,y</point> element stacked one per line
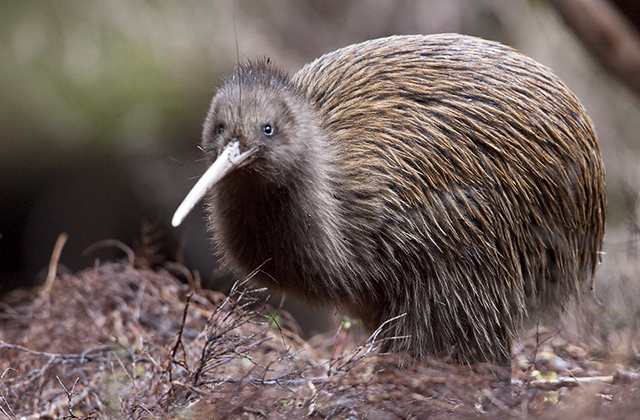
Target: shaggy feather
<point>446,177</point>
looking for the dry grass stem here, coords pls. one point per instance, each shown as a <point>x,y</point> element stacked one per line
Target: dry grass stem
<point>132,343</point>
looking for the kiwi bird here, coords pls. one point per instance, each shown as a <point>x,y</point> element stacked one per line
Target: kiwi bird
<point>445,178</point>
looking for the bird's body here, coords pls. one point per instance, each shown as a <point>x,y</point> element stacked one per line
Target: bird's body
<point>444,177</point>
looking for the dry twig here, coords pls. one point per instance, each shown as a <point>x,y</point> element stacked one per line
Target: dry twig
<point>43,296</point>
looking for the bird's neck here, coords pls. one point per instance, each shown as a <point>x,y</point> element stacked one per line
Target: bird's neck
<point>288,225</point>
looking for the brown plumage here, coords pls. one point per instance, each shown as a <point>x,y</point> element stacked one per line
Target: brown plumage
<point>444,177</point>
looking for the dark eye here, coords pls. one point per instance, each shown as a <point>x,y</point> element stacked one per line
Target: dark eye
<point>219,129</point>
<point>267,130</point>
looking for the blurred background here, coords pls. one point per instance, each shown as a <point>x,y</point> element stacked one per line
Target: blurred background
<point>102,103</point>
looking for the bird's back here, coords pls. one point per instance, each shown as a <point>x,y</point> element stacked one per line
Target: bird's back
<point>465,166</point>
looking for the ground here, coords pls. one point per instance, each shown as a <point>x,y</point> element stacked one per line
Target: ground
<point>120,340</point>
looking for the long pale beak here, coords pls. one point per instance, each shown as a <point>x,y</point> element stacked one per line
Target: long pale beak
<point>229,159</point>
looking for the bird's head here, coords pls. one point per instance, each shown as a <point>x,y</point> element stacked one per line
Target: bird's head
<point>257,122</point>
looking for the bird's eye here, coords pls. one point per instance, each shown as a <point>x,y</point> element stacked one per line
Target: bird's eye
<point>267,130</point>
<point>220,129</point>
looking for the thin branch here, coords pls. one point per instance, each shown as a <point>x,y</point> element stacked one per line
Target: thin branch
<point>179,342</point>
<point>43,296</point>
<point>69,395</point>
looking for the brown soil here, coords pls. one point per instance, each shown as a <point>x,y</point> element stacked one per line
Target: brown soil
<point>122,341</point>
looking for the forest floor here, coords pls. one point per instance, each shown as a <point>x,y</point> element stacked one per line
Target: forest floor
<point>120,340</point>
